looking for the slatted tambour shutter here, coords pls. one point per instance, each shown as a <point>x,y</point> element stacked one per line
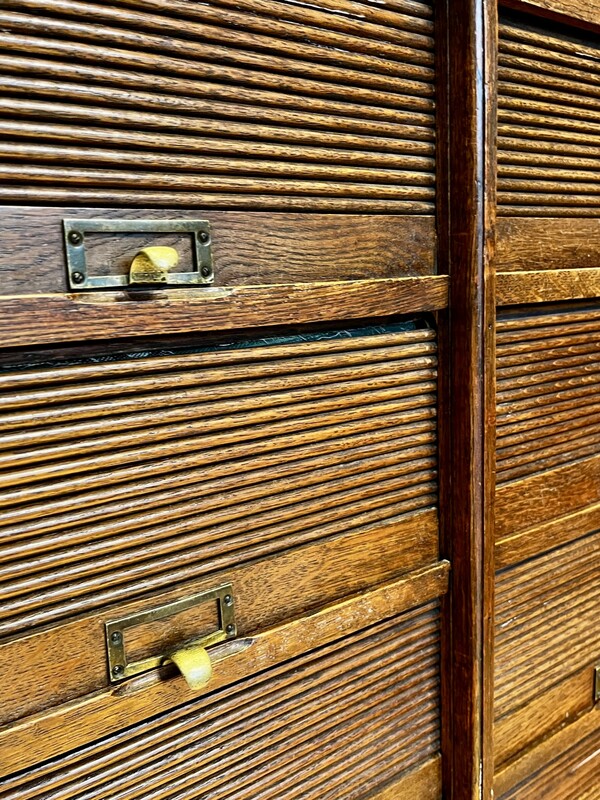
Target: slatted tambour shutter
<point>548,390</point>
<point>333,725</point>
<point>547,520</point>
<point>125,477</point>
<point>548,120</point>
<point>267,104</point>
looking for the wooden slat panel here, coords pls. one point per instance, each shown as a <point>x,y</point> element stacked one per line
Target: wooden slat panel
<point>548,107</point>
<point>42,736</point>
<point>570,774</point>
<point>382,682</point>
<point>545,635</point>
<point>547,391</point>
<point>156,523</point>
<point>151,115</point>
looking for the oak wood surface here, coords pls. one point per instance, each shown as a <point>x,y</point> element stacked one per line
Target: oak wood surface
<point>532,245</point>
<point>547,286</point>
<point>37,319</point>
<point>247,249</point>
<point>41,737</point>
<point>246,736</point>
<point>163,79</point>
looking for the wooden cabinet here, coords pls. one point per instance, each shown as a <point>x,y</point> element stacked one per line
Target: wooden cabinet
<point>303,504</point>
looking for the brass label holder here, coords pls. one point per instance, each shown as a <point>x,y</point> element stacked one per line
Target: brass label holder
<point>118,666</point>
<point>597,684</point>
<point>79,279</point>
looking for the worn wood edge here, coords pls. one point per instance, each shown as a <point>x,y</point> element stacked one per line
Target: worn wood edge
<point>534,243</point>
<point>521,729</point>
<point>581,13</point>
<point>40,319</point>
<point>547,286</point>
<point>544,753</point>
<point>41,736</point>
<point>422,783</point>
<point>540,539</point>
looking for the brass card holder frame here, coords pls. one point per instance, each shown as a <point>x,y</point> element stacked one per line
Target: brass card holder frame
<point>78,278</point>
<point>118,666</point>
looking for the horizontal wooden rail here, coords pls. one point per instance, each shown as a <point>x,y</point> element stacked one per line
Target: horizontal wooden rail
<point>40,319</point>
<point>547,286</point>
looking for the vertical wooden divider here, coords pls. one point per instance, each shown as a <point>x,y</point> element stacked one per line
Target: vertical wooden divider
<point>466,66</point>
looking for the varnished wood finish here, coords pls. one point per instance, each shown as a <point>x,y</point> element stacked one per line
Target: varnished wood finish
<point>527,243</point>
<point>40,319</point>
<point>274,733</point>
<point>248,250</point>
<point>547,286</point>
<point>546,634</point>
<point>466,212</point>
<point>322,120</point>
<point>42,736</point>
<point>549,88</point>
<point>584,13</point>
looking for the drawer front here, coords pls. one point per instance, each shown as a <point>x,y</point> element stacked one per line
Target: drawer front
<point>303,462</point>
<point>341,722</point>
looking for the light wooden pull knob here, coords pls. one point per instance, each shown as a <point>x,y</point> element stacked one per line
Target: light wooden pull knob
<point>194,664</point>
<point>152,264</point>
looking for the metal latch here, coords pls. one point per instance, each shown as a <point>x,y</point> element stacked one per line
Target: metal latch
<point>189,656</point>
<point>151,265</point>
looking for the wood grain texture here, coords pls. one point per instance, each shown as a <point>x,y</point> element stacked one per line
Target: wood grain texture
<point>563,767</point>
<point>275,734</point>
<point>248,249</point>
<point>105,713</point>
<point>545,244</point>
<point>548,367</point>
<point>466,212</point>
<point>583,13</point>
<point>545,631</point>
<point>122,483</point>
<point>152,115</point>
<point>545,286</point>
<point>549,94</point>
<point>424,783</point>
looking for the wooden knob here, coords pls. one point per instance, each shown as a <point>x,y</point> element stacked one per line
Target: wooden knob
<point>152,264</point>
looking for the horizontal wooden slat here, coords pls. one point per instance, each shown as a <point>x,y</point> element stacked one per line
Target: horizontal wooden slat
<point>546,244</point>
<point>248,249</point>
<point>542,286</point>
<point>37,319</point>
<point>585,12</point>
<point>104,713</point>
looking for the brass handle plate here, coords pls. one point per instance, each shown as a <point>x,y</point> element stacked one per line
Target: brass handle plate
<point>118,666</point>
<point>79,278</point>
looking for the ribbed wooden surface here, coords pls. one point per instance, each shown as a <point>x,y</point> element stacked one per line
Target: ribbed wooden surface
<point>546,622</point>
<point>572,775</point>
<point>549,120</point>
<point>268,104</point>
<point>332,725</point>
<point>548,390</point>
<point>131,475</point>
